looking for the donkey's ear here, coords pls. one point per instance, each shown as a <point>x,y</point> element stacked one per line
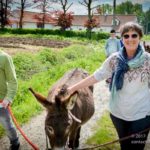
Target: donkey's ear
<point>40,98</point>
<point>71,101</point>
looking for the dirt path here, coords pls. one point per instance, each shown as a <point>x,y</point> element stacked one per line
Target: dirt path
<point>13,45</point>
<point>35,128</point>
<point>15,41</point>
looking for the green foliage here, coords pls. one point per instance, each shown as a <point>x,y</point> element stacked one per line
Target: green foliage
<point>145,17</point>
<point>146,38</point>
<point>2,131</point>
<point>41,32</point>
<point>125,8</point>
<point>129,8</point>
<point>100,36</point>
<point>104,132</point>
<point>75,52</point>
<point>105,9</point>
<point>47,55</point>
<point>26,65</point>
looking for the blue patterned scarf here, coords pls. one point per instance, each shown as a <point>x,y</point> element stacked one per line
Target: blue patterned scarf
<point>123,66</point>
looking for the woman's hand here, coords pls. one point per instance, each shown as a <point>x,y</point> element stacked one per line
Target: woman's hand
<point>5,103</point>
<point>64,93</point>
<point>70,91</point>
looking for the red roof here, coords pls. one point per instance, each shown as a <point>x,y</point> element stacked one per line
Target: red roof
<point>31,17</point>
<point>79,20</point>
<point>104,20</point>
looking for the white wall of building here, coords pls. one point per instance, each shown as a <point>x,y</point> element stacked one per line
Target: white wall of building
<point>30,25</point>
<point>78,28</point>
<point>49,26</point>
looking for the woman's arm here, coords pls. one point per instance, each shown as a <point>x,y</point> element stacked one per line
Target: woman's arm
<point>90,80</point>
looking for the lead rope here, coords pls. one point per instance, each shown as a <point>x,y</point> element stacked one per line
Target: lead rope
<point>115,141</point>
<point>20,130</point>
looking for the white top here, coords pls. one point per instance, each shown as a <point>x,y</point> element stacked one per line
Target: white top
<point>133,101</point>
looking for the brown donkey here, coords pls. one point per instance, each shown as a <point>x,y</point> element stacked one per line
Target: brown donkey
<point>66,115</point>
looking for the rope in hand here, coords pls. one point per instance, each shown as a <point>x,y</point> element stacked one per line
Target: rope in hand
<point>20,130</point>
<point>114,141</point>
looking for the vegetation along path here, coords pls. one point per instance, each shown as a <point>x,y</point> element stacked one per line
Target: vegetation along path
<point>35,128</point>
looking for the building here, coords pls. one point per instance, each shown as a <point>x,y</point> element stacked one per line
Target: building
<point>30,20</point>
<point>105,21</point>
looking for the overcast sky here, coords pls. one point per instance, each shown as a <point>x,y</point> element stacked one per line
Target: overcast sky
<point>77,8</point>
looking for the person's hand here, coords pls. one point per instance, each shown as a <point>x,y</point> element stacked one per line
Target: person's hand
<point>69,90</point>
<point>64,93</point>
<point>5,103</point>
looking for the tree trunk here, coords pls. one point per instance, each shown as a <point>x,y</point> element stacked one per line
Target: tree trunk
<point>89,30</point>
<point>114,14</point>
<point>21,18</point>
<point>2,18</point>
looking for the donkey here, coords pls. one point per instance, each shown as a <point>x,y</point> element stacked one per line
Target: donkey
<point>65,116</point>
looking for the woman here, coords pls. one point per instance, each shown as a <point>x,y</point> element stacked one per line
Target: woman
<point>130,95</point>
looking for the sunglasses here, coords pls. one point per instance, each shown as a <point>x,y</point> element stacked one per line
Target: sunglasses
<point>126,36</point>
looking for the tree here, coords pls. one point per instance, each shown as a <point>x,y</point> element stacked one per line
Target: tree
<point>90,24</point>
<point>64,18</point>
<point>64,4</point>
<point>129,8</point>
<point>5,11</point>
<point>138,11</point>
<point>145,21</point>
<point>44,6</point>
<point>22,5</point>
<point>42,18</point>
<point>107,9</point>
<point>90,21</point>
<point>114,14</point>
<point>125,8</point>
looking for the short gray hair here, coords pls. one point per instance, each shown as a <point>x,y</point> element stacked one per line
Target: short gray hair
<point>131,26</point>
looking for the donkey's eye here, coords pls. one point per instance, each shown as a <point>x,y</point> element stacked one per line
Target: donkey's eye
<point>50,130</point>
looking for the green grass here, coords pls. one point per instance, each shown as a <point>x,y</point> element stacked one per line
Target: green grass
<point>146,38</point>
<point>104,132</point>
<point>40,72</point>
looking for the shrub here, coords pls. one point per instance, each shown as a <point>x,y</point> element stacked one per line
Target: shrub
<point>79,34</point>
<point>48,56</point>
<point>25,65</point>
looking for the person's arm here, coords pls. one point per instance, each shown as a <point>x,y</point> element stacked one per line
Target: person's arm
<point>104,72</point>
<point>90,80</point>
<point>106,49</point>
<point>11,81</point>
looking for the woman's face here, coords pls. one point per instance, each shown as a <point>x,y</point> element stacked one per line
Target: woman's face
<point>131,39</point>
